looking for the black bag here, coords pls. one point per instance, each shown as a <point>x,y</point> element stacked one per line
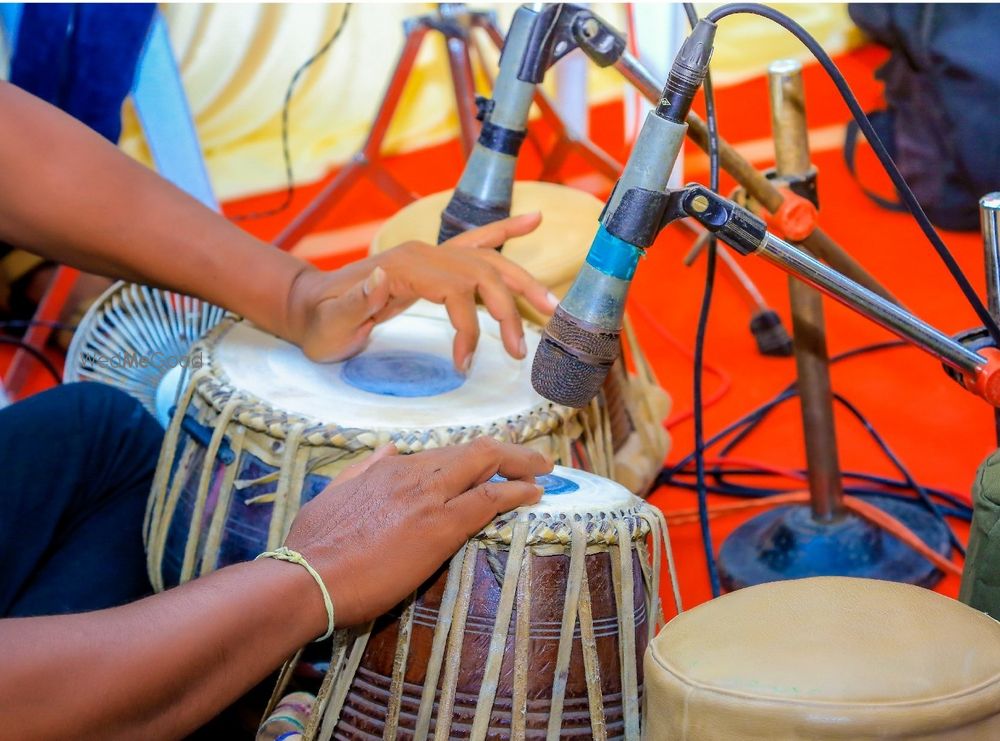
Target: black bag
<point>942,88</point>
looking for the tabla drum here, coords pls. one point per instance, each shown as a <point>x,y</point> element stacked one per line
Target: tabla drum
<point>534,630</point>
<point>633,400</point>
<point>260,429</point>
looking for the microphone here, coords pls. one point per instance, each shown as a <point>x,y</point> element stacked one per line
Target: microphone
<point>483,193</point>
<point>582,340</point>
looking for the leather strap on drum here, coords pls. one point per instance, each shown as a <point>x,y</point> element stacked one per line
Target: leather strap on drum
<point>622,536</point>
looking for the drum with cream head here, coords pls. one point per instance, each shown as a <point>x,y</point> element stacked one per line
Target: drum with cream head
<point>633,401</point>
<point>260,429</point>
<point>534,630</point>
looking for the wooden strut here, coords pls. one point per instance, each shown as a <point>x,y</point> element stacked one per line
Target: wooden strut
<point>819,243</point>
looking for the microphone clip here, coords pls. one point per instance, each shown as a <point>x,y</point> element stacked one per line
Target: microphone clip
<point>559,29</point>
<point>642,214</point>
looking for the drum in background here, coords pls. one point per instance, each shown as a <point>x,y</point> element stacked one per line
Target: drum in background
<point>827,657</point>
<point>139,339</point>
<point>633,401</point>
<point>260,430</point>
<point>536,629</point>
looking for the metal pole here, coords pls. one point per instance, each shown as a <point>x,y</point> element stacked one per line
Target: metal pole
<point>898,321</point>
<point>791,148</point>
<point>989,217</point>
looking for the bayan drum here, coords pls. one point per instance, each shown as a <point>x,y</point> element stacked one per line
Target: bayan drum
<point>260,429</point>
<point>634,402</point>
<point>534,630</point>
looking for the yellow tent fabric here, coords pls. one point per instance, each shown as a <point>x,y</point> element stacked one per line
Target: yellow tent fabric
<point>236,61</point>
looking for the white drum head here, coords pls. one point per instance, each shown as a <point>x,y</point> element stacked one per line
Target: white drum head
<point>404,379</point>
<point>572,491</point>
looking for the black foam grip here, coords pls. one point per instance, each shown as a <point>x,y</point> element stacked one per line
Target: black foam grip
<point>573,359</point>
<point>500,139</point>
<point>464,213</point>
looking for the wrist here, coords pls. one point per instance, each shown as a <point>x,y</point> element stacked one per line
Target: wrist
<point>294,586</point>
<point>303,295</point>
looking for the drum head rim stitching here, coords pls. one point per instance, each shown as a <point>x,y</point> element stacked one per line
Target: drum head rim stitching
<point>549,528</point>
<point>215,388</point>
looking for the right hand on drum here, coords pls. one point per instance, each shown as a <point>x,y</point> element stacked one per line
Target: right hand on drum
<point>374,535</point>
<point>332,314</point>
<point>386,525</point>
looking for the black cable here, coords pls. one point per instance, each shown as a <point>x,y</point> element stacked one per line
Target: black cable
<point>25,323</point>
<point>917,488</point>
<point>285,107</point>
<point>36,354</point>
<point>748,492</point>
<point>903,470</point>
<point>720,475</point>
<point>846,355</point>
<point>745,425</point>
<point>752,421</point>
<point>780,397</point>
<point>885,159</point>
<point>699,342</point>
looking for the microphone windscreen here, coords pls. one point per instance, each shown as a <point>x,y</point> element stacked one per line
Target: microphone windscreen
<point>573,359</point>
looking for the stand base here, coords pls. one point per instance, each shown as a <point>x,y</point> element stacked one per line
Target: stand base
<point>787,543</point>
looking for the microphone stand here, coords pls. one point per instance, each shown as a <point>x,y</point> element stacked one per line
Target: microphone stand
<point>457,25</point>
<point>989,217</point>
<point>822,538</point>
<point>753,182</point>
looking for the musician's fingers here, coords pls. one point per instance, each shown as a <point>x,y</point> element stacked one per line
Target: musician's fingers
<point>472,510</point>
<point>356,469</point>
<point>521,282</point>
<point>375,293</point>
<point>342,324</point>
<point>462,467</point>
<point>461,308</point>
<point>495,234</point>
<point>500,304</point>
<point>356,306</point>
<point>395,307</point>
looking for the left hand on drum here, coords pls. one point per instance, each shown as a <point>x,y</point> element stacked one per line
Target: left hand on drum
<point>385,525</point>
<point>332,314</point>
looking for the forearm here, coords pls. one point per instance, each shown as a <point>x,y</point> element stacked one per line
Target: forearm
<point>160,667</point>
<point>71,196</point>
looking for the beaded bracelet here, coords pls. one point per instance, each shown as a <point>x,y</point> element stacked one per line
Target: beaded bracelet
<point>287,554</point>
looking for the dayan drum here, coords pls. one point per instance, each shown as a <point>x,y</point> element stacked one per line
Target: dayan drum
<point>260,430</point>
<point>535,629</point>
<point>634,402</point>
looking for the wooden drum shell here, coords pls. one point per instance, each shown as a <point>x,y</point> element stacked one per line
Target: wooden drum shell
<point>363,716</point>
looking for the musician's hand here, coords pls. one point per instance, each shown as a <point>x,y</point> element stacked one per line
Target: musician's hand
<point>334,313</point>
<point>384,527</point>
